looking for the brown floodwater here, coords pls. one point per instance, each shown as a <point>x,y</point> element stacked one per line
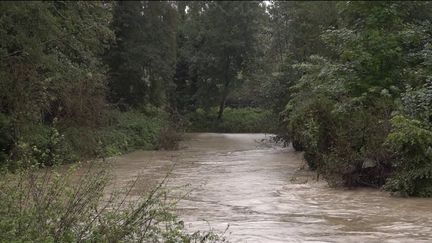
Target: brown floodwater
<point>261,192</point>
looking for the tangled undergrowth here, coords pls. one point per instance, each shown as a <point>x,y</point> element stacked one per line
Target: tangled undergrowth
<point>72,205</point>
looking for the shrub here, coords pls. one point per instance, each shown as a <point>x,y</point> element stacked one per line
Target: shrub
<point>412,142</point>
<point>54,206</point>
<point>132,130</point>
<point>40,145</point>
<point>62,143</point>
<point>235,120</point>
<point>343,140</point>
<point>308,128</point>
<point>84,141</point>
<point>123,132</point>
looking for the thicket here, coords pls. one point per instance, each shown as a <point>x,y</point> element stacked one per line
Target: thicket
<point>58,95</point>
<point>359,105</point>
<point>89,72</point>
<point>54,205</point>
<point>235,120</point>
<point>80,80</point>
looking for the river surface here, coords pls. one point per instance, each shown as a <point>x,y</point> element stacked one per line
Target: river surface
<point>261,192</point>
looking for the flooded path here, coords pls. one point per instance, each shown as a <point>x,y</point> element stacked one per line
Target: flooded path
<point>256,189</point>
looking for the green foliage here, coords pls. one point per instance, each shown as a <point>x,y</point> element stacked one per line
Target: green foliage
<point>51,74</point>
<point>219,43</point>
<point>295,27</point>
<point>142,59</point>
<point>132,130</point>
<point>124,132</point>
<point>309,128</point>
<point>411,141</point>
<point>417,103</point>
<point>350,80</point>
<point>56,206</point>
<point>42,145</point>
<point>53,87</point>
<point>340,107</point>
<point>49,60</point>
<point>236,120</point>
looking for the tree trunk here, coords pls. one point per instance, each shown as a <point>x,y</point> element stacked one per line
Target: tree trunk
<point>226,88</point>
<point>221,107</point>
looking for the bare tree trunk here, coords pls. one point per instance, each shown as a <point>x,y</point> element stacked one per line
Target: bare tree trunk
<point>222,106</point>
<point>226,89</point>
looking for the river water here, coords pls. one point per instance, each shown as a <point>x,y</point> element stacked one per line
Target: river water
<point>261,191</point>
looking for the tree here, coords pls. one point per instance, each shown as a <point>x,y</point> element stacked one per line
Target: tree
<point>229,45</point>
<point>341,108</point>
<point>189,44</point>
<point>50,66</point>
<point>295,34</point>
<point>143,58</point>
<point>51,73</point>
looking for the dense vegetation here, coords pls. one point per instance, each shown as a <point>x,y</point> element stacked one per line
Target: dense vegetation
<point>236,120</point>
<point>42,206</point>
<point>349,83</point>
<point>86,79</point>
<point>359,102</point>
<point>80,80</point>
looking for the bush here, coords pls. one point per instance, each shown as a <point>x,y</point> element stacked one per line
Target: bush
<point>132,130</point>
<point>235,120</point>
<point>309,129</point>
<point>40,145</point>
<point>358,143</point>
<point>63,143</point>
<point>411,141</point>
<point>123,132</point>
<point>84,141</point>
<point>343,141</point>
<point>54,206</point>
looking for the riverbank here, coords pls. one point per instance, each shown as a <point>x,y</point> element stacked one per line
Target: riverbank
<point>60,142</point>
<point>235,120</point>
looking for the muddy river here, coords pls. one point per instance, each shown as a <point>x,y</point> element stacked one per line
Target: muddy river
<point>260,190</point>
